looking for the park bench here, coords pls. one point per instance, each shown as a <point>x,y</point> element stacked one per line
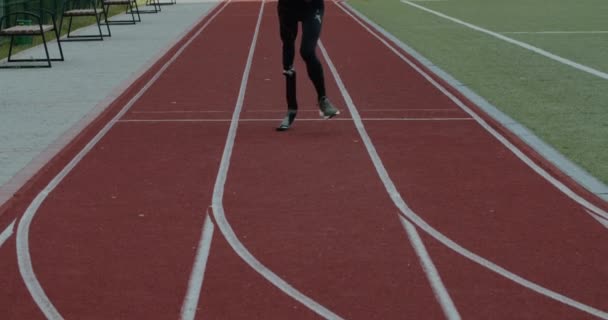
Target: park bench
<point>84,8</point>
<point>27,23</point>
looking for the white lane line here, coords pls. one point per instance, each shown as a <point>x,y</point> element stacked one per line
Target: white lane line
<point>299,119</point>
<point>179,111</point>
<point>281,110</point>
<point>23,252</point>
<point>277,110</point>
<point>524,45</point>
<point>195,284</point>
<point>218,206</point>
<point>556,32</point>
<point>417,119</point>
<point>599,219</point>
<point>7,233</point>
<point>567,166</point>
<point>406,110</point>
<point>299,110</point>
<point>422,224</point>
<point>441,293</point>
<point>371,109</point>
<point>178,120</point>
<point>523,157</point>
<point>316,110</point>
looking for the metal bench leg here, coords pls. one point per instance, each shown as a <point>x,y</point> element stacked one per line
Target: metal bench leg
<point>58,41</point>
<point>10,48</point>
<point>46,49</point>
<point>98,25</point>
<point>136,10</point>
<point>105,14</point>
<point>69,26</point>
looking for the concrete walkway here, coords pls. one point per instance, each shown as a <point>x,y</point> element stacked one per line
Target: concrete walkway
<point>42,109</point>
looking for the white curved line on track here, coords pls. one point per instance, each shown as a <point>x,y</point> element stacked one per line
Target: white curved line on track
<point>218,206</point>
<point>195,283</point>
<point>239,248</point>
<point>411,216</point>
<point>439,289</point>
<point>523,157</point>
<point>7,233</point>
<point>23,253</point>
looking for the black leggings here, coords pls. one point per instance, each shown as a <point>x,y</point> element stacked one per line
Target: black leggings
<point>312,20</point>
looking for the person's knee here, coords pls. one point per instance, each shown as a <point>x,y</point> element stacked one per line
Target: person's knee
<point>308,54</point>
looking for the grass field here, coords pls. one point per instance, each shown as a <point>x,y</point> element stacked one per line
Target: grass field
<point>566,107</point>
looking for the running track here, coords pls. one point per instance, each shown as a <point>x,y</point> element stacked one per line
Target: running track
<point>183,202</point>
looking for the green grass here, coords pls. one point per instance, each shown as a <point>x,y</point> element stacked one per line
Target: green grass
<point>565,107</point>
<point>540,15</point>
<point>526,15</point>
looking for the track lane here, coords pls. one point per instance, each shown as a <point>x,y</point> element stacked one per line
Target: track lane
<point>12,290</point>
<point>481,294</point>
<point>306,204</point>
<point>108,250</point>
<point>423,170</point>
<point>357,217</point>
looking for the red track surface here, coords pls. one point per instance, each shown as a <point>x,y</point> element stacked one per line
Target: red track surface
<point>117,238</point>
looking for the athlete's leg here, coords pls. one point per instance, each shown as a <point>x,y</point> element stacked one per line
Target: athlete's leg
<point>288,21</point>
<point>311,31</point>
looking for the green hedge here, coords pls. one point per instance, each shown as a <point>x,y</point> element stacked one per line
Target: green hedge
<point>7,6</point>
